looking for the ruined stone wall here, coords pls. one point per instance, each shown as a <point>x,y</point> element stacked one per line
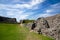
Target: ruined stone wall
<point>7,20</point>
<point>49,26</point>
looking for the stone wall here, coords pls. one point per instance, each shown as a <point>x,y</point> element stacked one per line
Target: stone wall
<point>7,20</point>
<point>49,26</point>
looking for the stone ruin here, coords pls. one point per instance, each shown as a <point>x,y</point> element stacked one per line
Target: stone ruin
<point>7,20</point>
<point>49,26</point>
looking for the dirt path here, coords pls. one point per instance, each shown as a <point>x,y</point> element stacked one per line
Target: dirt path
<point>26,34</point>
<point>30,36</point>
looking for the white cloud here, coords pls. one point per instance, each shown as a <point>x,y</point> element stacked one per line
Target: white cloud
<point>35,2</point>
<point>57,5</point>
<point>23,16</point>
<point>29,5</point>
<point>48,11</point>
<point>10,13</point>
<point>17,10</point>
<point>54,9</point>
<point>45,15</point>
<point>42,15</point>
<point>15,13</point>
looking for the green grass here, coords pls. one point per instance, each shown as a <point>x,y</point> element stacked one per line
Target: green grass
<point>41,37</point>
<point>28,21</point>
<point>16,32</point>
<point>9,32</point>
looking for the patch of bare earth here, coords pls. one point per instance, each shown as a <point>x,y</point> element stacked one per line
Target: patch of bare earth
<point>31,37</point>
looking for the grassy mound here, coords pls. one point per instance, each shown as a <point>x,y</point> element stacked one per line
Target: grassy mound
<point>16,32</point>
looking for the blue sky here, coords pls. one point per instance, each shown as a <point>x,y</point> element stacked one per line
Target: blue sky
<point>29,9</point>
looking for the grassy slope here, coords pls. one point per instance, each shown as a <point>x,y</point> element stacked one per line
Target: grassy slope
<point>16,32</point>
